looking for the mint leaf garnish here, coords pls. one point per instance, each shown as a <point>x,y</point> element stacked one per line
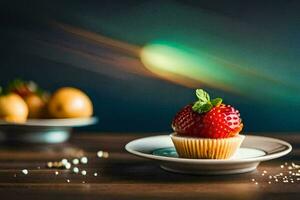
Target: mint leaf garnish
<point>204,104</point>
<point>206,107</point>
<point>197,106</point>
<point>201,107</point>
<point>216,102</point>
<point>202,95</point>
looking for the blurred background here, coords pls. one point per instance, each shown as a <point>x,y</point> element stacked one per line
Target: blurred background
<point>140,60</point>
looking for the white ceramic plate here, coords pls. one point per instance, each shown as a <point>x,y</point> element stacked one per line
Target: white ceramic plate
<point>41,130</point>
<point>254,150</point>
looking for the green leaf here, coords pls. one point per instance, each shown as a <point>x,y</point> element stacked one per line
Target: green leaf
<point>15,84</point>
<point>197,106</point>
<point>204,104</point>
<point>216,102</point>
<point>201,107</point>
<point>206,107</point>
<point>202,95</point>
<point>1,90</point>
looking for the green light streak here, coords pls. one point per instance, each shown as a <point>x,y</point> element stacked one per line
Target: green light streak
<point>165,58</point>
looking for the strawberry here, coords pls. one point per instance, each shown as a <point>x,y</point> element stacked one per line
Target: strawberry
<point>207,118</point>
<point>26,89</point>
<point>22,88</point>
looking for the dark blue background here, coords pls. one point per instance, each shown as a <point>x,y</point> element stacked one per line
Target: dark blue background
<point>128,102</point>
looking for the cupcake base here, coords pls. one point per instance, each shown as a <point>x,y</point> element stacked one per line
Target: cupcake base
<point>206,148</point>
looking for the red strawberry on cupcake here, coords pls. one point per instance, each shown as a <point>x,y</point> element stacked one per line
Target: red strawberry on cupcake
<point>207,122</point>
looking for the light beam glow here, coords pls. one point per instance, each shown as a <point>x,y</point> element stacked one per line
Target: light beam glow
<point>189,66</point>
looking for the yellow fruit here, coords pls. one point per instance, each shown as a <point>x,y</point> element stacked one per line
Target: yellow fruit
<point>70,102</point>
<point>13,108</point>
<point>36,105</point>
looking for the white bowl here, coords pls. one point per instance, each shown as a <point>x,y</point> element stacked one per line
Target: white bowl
<point>41,130</point>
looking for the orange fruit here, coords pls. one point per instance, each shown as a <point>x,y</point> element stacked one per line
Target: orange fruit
<point>68,102</point>
<point>13,108</point>
<point>36,105</point>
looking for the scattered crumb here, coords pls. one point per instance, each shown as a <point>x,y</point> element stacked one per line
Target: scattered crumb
<point>68,165</point>
<point>55,164</point>
<point>105,155</point>
<point>25,171</point>
<point>64,161</point>
<point>76,170</point>
<point>84,160</point>
<point>100,154</point>
<point>75,161</point>
<point>83,172</point>
<point>289,173</point>
<point>49,164</point>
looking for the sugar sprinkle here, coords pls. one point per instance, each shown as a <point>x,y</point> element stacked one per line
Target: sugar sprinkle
<point>83,172</point>
<point>25,171</point>
<point>84,160</point>
<point>75,161</point>
<point>102,154</point>
<point>78,162</point>
<point>289,174</point>
<point>76,170</point>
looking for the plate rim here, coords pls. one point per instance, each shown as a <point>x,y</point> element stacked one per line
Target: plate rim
<point>211,161</point>
<point>73,122</point>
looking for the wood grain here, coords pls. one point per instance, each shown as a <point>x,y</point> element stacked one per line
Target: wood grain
<point>124,176</point>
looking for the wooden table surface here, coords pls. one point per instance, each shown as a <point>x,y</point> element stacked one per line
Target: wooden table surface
<point>124,176</point>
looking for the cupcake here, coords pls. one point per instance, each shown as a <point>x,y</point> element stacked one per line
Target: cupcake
<point>207,129</point>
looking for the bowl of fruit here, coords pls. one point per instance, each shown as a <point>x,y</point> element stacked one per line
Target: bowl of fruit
<point>33,115</point>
